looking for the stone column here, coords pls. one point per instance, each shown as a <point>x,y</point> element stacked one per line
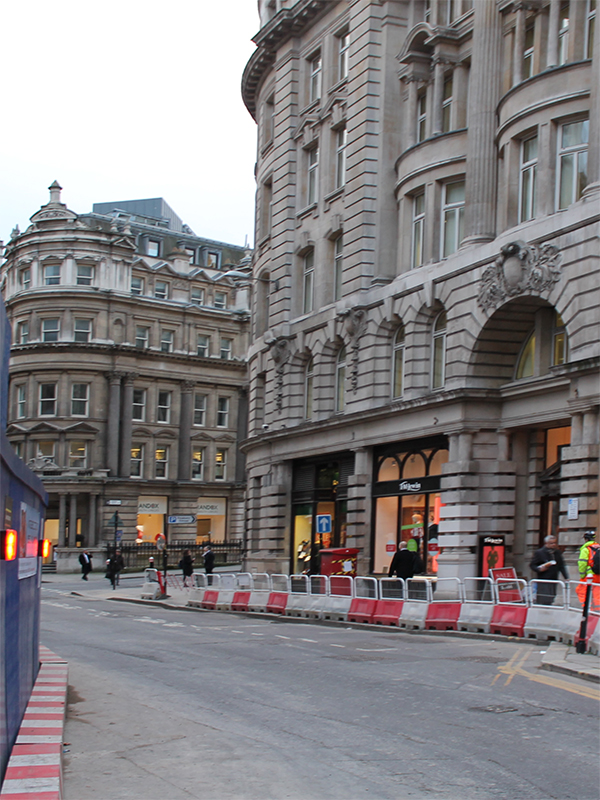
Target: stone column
<point>93,506</point>
<point>552,46</point>
<point>519,45</point>
<point>593,186</point>
<point>185,430</point>
<point>481,172</point>
<point>62,520</point>
<point>438,95</point>
<point>126,425</point>
<point>242,433</point>
<point>411,114</point>
<point>112,434</point>
<point>576,429</point>
<point>73,520</point>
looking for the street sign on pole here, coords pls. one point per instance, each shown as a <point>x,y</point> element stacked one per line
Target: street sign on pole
<point>324,523</point>
<point>119,535</point>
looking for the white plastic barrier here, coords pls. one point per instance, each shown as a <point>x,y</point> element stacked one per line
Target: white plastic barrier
<point>227,587</point>
<point>478,607</point>
<point>280,583</point>
<point>366,587</point>
<point>549,616</point>
<point>298,601</point>
<point>340,589</point>
<point>261,589</point>
<point>151,586</point>
<point>446,590</point>
<point>316,599</point>
<point>414,609</point>
<point>244,582</point>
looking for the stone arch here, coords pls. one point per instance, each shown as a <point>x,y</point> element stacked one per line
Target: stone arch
<point>502,337</point>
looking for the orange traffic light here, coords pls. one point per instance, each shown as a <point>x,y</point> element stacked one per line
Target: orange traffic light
<point>9,545</point>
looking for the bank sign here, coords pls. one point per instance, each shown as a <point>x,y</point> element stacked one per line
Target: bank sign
<point>152,505</point>
<point>211,506</point>
<point>430,483</point>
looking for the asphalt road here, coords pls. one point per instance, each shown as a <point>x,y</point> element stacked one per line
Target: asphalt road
<point>173,704</point>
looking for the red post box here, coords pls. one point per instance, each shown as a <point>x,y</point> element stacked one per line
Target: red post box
<point>338,560</point>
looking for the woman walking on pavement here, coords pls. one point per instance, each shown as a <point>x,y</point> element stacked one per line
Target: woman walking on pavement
<point>187,566</point>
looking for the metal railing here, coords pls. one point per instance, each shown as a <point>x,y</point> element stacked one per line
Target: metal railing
<point>137,556</point>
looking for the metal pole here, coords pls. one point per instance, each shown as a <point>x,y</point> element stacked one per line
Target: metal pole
<point>581,643</point>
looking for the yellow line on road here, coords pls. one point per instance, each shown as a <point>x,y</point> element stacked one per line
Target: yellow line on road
<point>511,669</point>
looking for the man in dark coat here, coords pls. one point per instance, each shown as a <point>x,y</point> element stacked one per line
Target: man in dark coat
<point>403,563</point>
<point>548,564</point>
<point>209,560</point>
<point>85,560</point>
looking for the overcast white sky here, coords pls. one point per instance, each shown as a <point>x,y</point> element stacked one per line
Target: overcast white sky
<point>128,99</point>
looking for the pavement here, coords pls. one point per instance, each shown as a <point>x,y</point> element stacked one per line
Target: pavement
<point>558,657</point>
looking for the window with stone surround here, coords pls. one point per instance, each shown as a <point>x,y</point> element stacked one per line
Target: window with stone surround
<point>340,157</point>
<point>453,210</point>
<point>308,281</point>
<point>199,409</point>
<point>315,69</point>
<point>309,375</point>
<point>438,361</point>
<point>78,455</point>
<point>572,161</point>
<point>220,464</point>
<point>590,24</point>
<point>48,398</point>
<point>50,330</point>
<point>312,167</point>
<point>340,380</point>
<point>21,392</point>
<point>137,460</point>
<point>418,229</point>
<point>197,463</point>
<point>398,363</point>
<point>527,181</point>
<point>80,394</point>
<point>338,266</point>
<point>161,461</point>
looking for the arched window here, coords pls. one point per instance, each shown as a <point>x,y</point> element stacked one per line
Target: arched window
<point>526,362</point>
<point>438,371</point>
<point>398,363</point>
<point>308,389</point>
<point>340,380</point>
<point>559,341</point>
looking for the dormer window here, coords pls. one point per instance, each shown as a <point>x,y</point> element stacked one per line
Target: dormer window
<point>153,248</point>
<point>213,260</point>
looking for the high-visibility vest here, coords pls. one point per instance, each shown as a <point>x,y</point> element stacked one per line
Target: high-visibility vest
<point>584,560</point>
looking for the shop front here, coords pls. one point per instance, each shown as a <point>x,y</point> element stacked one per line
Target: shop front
<point>211,519</point>
<point>151,518</point>
<point>320,506</point>
<point>407,500</point>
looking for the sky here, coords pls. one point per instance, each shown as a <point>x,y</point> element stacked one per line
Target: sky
<point>129,99</point>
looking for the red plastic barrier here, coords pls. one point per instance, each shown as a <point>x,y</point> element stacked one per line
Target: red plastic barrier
<point>240,601</point>
<point>340,586</point>
<point>443,617</point>
<point>210,598</point>
<point>277,602</point>
<point>362,609</point>
<point>508,620</point>
<point>387,612</point>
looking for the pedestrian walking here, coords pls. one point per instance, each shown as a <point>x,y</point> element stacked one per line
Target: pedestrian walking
<point>548,564</point>
<point>209,561</point>
<point>114,565</point>
<point>187,566</point>
<point>588,569</point>
<point>85,560</point>
<point>403,563</point>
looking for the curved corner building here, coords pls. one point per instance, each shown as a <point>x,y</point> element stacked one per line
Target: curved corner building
<point>425,351</point>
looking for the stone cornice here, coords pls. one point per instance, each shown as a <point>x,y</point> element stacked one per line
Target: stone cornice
<point>287,23</point>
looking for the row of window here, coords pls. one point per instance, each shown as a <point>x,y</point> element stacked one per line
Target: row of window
<point>571,180</point>
<point>161,290</point>
<point>83,334</point>
<point>525,367</point>
<point>47,404</point>
<point>154,249</point>
<point>78,457</point>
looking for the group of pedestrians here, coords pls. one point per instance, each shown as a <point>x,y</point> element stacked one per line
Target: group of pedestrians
<point>548,564</point>
<point>186,565</point>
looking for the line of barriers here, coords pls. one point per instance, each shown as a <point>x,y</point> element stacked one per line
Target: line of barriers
<point>535,609</point>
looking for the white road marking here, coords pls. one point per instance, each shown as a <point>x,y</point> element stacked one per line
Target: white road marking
<point>279,636</point>
<point>337,645</point>
<point>376,649</point>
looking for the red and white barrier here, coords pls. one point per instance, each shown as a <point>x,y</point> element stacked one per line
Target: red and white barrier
<point>35,766</point>
<point>419,603</point>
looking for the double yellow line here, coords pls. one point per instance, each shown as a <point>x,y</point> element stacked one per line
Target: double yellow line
<point>515,667</point>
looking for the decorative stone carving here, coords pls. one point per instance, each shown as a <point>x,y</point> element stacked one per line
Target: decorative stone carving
<point>355,324</point>
<point>519,269</point>
<point>280,353</point>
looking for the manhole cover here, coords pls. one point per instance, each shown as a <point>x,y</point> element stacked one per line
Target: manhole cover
<point>495,709</point>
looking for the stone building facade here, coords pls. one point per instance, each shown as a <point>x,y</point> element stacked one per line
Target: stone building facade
<point>425,348</point>
<point>127,372</point>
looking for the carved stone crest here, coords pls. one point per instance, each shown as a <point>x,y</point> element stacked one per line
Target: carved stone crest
<point>280,353</point>
<point>355,324</point>
<point>519,269</point>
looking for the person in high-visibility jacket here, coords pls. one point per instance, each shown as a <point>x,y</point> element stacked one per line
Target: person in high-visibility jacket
<point>586,573</point>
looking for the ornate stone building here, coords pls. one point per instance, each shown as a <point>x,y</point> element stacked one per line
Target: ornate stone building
<point>127,372</point>
<point>425,345</point>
